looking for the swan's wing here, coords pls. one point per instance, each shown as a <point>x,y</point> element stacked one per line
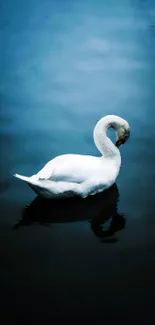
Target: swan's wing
<point>70,168</point>
<point>72,174</point>
<point>47,171</point>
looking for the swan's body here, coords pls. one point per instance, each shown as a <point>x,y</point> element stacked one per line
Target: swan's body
<point>69,175</point>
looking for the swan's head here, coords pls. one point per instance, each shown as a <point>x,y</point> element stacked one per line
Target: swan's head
<point>122,132</point>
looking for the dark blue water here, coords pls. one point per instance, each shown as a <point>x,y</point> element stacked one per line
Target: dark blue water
<point>64,65</point>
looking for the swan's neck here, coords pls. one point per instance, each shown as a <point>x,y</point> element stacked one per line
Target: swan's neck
<point>103,143</point>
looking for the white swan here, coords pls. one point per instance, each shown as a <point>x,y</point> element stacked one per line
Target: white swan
<point>72,174</point>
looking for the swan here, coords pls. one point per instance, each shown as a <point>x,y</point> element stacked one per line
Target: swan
<point>83,175</point>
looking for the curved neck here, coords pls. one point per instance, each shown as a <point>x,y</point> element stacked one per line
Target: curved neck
<point>103,143</point>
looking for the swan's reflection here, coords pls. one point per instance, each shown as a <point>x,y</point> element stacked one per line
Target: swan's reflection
<point>100,210</point>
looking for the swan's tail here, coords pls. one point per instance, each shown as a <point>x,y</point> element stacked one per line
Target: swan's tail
<point>23,178</point>
<point>37,186</point>
<point>31,181</point>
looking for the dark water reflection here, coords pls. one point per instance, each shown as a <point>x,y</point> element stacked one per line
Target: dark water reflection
<point>63,65</point>
<point>101,209</point>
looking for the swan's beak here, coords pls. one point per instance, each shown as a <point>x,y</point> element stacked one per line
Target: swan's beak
<point>118,143</point>
<point>121,139</point>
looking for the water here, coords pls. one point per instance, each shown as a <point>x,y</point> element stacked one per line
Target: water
<point>64,65</point>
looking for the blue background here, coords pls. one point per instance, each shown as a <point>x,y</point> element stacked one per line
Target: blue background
<point>64,65</point>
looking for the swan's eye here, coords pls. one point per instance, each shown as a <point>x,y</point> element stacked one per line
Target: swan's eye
<point>126,137</point>
<point>124,140</point>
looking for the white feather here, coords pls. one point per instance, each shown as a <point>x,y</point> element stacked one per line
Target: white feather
<point>83,175</point>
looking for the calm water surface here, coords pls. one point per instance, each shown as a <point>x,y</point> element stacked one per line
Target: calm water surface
<point>64,65</point>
